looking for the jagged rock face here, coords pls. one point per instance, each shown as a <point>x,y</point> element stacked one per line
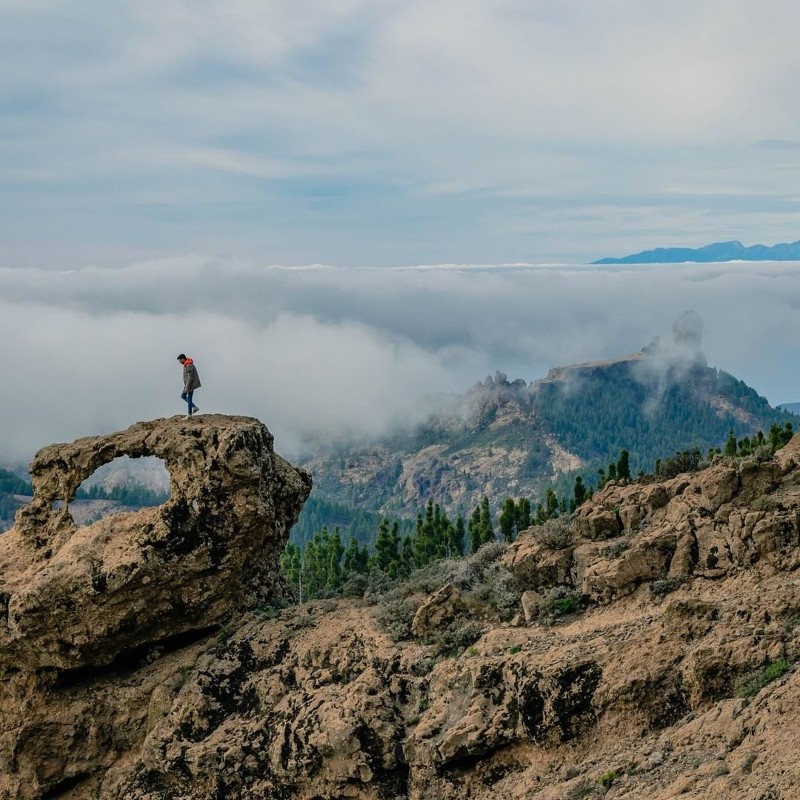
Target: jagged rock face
<point>72,597</point>
<point>316,702</point>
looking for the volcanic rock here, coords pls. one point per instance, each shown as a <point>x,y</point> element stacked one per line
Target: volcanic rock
<point>73,597</point>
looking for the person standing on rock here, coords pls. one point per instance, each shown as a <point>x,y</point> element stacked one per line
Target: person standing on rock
<point>191,381</point>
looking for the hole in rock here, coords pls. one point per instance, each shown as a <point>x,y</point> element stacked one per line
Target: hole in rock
<point>65,786</point>
<point>134,658</point>
<point>124,484</point>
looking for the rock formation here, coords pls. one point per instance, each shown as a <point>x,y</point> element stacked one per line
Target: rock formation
<point>72,597</point>
<point>654,657</point>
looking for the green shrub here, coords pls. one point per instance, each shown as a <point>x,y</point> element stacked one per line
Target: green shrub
<point>751,683</point>
<point>747,764</point>
<point>396,616</point>
<point>764,503</point>
<point>455,638</point>
<point>607,779</point>
<point>616,549</point>
<point>556,534</point>
<point>561,600</point>
<point>581,790</point>
<point>499,590</point>
<point>663,586</point>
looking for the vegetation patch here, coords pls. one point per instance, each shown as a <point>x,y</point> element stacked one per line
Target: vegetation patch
<point>607,779</point>
<point>560,601</point>
<point>751,683</point>
<point>556,534</point>
<point>663,586</point>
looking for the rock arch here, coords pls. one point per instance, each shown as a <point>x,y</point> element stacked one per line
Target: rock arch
<point>77,596</point>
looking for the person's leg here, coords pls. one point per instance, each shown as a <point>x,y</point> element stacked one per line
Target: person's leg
<point>195,409</point>
<point>189,401</point>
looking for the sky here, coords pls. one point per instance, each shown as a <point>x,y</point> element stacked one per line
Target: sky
<point>393,132</point>
<point>278,188</point>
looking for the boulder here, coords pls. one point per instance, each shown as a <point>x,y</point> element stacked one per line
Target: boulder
<point>438,611</point>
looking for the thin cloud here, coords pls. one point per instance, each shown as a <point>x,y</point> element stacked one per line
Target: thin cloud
<point>366,133</point>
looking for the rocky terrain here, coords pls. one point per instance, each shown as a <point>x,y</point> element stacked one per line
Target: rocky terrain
<point>645,648</point>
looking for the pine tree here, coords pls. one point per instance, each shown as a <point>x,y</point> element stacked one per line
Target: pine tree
<point>730,445</point>
<point>385,546</point>
<point>623,466</point>
<point>486,524</point>
<point>523,514</point>
<point>579,491</point>
<point>457,541</point>
<point>508,520</point>
<point>475,530</point>
<point>551,503</point>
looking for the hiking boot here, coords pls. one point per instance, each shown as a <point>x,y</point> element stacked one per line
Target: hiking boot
<point>195,409</point>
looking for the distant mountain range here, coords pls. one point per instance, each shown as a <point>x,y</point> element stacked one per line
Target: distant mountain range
<point>717,252</point>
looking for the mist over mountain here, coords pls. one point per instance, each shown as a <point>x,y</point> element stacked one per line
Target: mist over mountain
<point>512,438</point>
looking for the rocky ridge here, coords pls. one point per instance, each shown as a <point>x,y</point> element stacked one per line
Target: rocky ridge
<point>511,438</point>
<point>650,656</point>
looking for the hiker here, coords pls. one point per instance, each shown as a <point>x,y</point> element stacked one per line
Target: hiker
<point>191,381</point>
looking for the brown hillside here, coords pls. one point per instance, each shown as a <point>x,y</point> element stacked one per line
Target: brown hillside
<point>652,651</point>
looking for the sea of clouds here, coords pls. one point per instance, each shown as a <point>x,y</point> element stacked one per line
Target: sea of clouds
<point>322,353</point>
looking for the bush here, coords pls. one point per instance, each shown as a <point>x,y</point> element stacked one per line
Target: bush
<point>481,579</point>
<point>663,586</point>
<point>583,789</point>
<point>616,549</point>
<point>764,503</point>
<point>556,534</point>
<point>682,461</point>
<point>607,779</point>
<point>751,683</point>
<point>561,600</point>
<point>396,616</point>
<point>455,638</point>
<point>498,589</point>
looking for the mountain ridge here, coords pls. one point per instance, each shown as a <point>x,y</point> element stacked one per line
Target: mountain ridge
<point>510,438</point>
<point>717,252</point>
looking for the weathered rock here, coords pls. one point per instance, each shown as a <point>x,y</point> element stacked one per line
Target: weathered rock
<point>648,559</point>
<point>79,596</point>
<point>438,611</point>
<point>597,522</point>
<point>535,565</point>
<point>499,704</point>
<point>717,486</point>
<point>316,702</point>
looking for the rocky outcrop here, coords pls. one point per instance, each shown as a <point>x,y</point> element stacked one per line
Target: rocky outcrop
<point>73,597</point>
<point>713,523</point>
<point>672,677</point>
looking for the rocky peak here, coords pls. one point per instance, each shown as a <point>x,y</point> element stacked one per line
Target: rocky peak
<point>71,597</point>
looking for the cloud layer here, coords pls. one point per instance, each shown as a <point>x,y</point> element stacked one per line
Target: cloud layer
<point>340,353</point>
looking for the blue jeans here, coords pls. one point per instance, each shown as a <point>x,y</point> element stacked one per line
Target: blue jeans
<point>187,396</point>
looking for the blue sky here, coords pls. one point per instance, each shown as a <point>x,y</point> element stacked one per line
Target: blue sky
<point>379,132</point>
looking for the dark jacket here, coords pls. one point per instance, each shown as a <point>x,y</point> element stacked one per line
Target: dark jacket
<point>191,380</point>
